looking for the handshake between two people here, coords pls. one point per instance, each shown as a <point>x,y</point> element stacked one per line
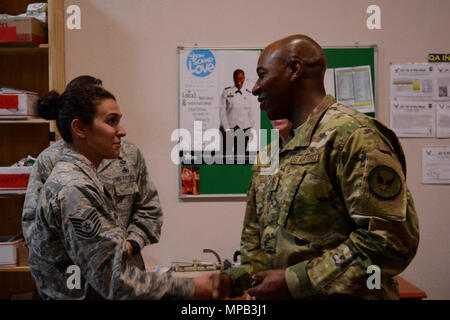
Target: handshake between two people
<point>267,285</point>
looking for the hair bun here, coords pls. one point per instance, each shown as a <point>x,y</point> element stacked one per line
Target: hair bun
<point>48,105</point>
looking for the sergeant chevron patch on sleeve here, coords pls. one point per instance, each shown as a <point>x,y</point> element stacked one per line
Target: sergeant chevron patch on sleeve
<point>88,227</point>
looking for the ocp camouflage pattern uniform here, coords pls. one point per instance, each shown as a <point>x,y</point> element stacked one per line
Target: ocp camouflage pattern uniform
<point>338,204</point>
<point>76,223</point>
<point>126,179</point>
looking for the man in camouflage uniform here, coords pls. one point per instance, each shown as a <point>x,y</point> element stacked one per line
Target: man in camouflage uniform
<point>338,202</point>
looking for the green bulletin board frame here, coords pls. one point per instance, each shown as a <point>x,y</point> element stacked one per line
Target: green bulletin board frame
<point>232,180</point>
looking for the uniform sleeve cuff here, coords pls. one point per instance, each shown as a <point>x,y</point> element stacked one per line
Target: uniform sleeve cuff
<point>133,236</point>
<point>240,281</point>
<point>298,281</point>
<point>183,288</point>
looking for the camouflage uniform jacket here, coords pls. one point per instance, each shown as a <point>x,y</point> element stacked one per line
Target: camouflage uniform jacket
<point>337,205</point>
<point>76,224</point>
<point>125,178</point>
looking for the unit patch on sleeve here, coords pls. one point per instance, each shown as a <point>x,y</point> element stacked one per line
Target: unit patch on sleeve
<point>384,182</point>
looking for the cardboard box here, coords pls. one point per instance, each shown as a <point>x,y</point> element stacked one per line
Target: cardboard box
<point>23,30</point>
<point>17,104</point>
<point>14,180</point>
<point>9,250</point>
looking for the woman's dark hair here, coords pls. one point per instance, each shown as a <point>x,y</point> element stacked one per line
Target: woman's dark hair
<point>82,81</point>
<point>77,102</point>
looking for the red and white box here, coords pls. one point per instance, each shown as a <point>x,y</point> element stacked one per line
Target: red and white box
<point>9,250</point>
<point>23,30</point>
<point>14,180</point>
<point>18,104</point>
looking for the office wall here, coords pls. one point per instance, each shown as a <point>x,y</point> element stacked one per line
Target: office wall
<point>132,44</point>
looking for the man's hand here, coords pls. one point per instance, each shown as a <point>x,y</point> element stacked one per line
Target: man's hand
<point>212,286</point>
<point>271,285</point>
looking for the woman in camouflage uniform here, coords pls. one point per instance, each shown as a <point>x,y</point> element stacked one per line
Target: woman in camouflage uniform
<point>78,248</point>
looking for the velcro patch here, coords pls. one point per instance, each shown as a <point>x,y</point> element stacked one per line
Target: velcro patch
<point>384,182</point>
<point>125,178</point>
<point>88,227</point>
<point>345,256</point>
<point>312,157</point>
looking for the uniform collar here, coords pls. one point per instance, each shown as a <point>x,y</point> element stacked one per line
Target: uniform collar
<point>106,162</point>
<point>83,163</point>
<point>243,90</point>
<point>303,138</point>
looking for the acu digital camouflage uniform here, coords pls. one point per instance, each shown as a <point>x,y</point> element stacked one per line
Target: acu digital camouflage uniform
<point>337,204</point>
<point>126,179</point>
<point>76,223</point>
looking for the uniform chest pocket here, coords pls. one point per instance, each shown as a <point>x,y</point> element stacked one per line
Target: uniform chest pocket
<point>126,189</point>
<point>281,196</point>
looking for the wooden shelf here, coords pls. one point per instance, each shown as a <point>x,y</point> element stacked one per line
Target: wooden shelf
<point>15,269</point>
<point>19,48</point>
<point>25,68</point>
<point>37,68</point>
<point>30,120</point>
<point>18,139</point>
<point>15,7</point>
<point>9,196</point>
<point>15,280</point>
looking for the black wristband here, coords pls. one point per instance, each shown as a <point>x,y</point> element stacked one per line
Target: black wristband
<point>135,248</point>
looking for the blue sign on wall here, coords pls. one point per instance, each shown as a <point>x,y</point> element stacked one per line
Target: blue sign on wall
<point>201,63</point>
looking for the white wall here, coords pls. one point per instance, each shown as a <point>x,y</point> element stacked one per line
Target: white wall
<point>131,45</point>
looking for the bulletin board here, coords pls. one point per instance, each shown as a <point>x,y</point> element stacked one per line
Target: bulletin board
<point>210,180</point>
